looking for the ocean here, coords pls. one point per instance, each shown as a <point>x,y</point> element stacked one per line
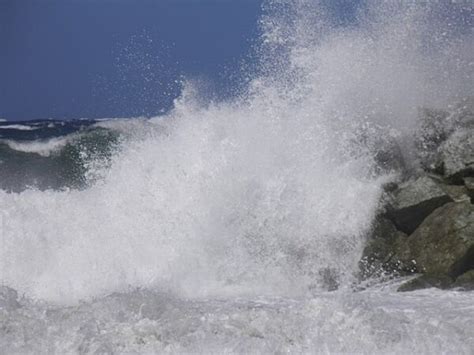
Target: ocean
<point>236,226</point>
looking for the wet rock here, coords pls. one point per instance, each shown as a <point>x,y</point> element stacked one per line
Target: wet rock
<point>455,157</point>
<point>8,299</point>
<point>443,244</point>
<point>389,158</point>
<point>458,193</point>
<point>436,126</point>
<point>469,184</point>
<point>432,132</point>
<point>426,281</point>
<point>434,208</point>
<point>413,201</point>
<point>380,248</point>
<point>390,186</point>
<point>465,281</point>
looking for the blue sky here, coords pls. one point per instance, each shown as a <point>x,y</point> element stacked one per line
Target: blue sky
<point>116,58</point>
<point>68,59</point>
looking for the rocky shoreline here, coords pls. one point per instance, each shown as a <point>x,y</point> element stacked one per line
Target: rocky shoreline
<point>425,225</point>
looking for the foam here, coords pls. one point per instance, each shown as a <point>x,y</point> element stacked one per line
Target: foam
<point>19,127</point>
<point>267,194</point>
<point>43,148</point>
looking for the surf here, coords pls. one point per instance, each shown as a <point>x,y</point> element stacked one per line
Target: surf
<point>260,202</point>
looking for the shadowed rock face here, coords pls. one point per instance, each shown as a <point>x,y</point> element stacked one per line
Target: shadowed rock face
<point>377,258</point>
<point>444,242</point>
<point>458,193</point>
<point>465,281</point>
<point>469,183</point>
<point>413,201</point>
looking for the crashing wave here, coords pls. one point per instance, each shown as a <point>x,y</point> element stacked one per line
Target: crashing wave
<point>266,196</point>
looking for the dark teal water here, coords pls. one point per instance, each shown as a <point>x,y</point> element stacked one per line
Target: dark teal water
<point>51,154</point>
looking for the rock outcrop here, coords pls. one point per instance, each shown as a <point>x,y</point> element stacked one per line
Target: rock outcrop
<point>469,183</point>
<point>378,257</point>
<point>458,193</point>
<point>455,157</point>
<point>426,281</point>
<point>427,223</point>
<point>413,201</point>
<point>465,281</point>
<point>443,245</point>
<point>437,126</point>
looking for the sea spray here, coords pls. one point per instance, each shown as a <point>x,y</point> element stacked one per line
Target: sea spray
<point>226,227</point>
<point>268,194</point>
<point>226,200</point>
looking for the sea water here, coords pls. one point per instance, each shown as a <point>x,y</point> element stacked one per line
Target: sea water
<point>237,226</point>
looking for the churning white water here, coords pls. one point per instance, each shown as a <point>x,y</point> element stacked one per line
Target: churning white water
<point>224,225</point>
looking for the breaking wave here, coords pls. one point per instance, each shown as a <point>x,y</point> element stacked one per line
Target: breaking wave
<point>268,194</point>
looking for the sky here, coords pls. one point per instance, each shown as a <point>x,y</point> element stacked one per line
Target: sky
<point>66,59</point>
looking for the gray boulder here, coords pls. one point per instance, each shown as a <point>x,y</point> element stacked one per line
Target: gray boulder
<point>465,281</point>
<point>432,132</point>
<point>377,257</point>
<point>455,157</point>
<point>389,158</point>
<point>443,245</point>
<point>437,126</point>
<point>426,281</point>
<point>413,201</point>
<point>458,193</point>
<point>469,184</point>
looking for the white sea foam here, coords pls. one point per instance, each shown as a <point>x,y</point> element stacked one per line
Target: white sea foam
<point>269,195</point>
<point>19,127</point>
<point>266,194</point>
<point>370,322</point>
<point>207,205</point>
<point>43,148</point>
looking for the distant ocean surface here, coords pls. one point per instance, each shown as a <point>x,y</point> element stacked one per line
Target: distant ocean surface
<point>51,154</point>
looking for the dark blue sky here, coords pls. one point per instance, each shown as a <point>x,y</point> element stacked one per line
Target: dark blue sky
<point>116,58</point>
<point>68,59</point>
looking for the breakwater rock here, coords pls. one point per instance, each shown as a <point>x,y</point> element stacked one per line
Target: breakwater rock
<point>426,224</point>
